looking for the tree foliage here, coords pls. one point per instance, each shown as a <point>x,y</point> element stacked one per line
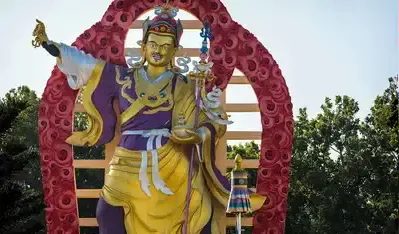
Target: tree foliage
<point>21,206</point>
<point>20,163</point>
<point>344,178</point>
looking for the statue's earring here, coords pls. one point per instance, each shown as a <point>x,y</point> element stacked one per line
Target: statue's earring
<point>182,62</point>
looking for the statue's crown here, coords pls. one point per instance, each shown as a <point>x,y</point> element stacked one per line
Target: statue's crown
<point>164,23</point>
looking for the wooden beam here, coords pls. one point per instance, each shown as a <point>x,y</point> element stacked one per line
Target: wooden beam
<point>90,164</point>
<point>230,107</point>
<point>88,222</point>
<point>230,135</point>
<point>190,52</point>
<point>242,107</point>
<point>88,193</point>
<point>239,80</point>
<point>245,221</point>
<point>187,24</point>
<point>243,135</point>
<point>79,108</point>
<point>231,221</point>
<point>246,163</point>
<point>236,107</point>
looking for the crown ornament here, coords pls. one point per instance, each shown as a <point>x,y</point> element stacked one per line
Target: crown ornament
<point>164,23</point>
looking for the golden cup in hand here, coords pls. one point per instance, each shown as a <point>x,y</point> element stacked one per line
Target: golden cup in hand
<point>184,134</point>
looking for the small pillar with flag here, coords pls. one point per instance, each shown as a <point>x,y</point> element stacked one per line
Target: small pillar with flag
<point>239,201</point>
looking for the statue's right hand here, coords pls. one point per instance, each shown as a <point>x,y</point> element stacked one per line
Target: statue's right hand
<point>185,136</point>
<point>40,34</point>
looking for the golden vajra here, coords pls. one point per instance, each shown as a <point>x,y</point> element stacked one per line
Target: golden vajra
<point>39,33</point>
<point>202,74</point>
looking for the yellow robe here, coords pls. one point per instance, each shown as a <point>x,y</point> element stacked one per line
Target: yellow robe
<point>161,213</point>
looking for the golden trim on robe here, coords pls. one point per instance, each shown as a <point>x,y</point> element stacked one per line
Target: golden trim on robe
<point>186,104</point>
<point>95,126</point>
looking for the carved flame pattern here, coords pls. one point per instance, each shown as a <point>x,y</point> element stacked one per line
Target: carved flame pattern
<point>232,47</point>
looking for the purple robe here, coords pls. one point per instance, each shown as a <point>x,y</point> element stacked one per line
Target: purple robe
<point>109,217</point>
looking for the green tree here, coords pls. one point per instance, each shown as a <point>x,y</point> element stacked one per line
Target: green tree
<point>381,147</point>
<point>249,150</point>
<point>21,206</point>
<point>15,101</point>
<point>356,192</point>
<point>318,189</point>
<point>19,118</point>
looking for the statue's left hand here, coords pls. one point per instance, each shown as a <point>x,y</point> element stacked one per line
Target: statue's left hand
<point>185,136</point>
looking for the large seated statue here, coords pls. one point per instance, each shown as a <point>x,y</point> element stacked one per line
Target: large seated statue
<point>145,190</point>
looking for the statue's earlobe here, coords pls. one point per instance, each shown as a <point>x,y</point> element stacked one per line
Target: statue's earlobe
<point>143,50</point>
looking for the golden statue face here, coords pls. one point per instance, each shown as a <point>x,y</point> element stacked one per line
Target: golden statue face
<point>159,50</point>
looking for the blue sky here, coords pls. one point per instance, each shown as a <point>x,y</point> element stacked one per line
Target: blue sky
<point>324,47</point>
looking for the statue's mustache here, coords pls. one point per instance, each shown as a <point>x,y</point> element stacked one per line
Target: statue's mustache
<point>157,56</point>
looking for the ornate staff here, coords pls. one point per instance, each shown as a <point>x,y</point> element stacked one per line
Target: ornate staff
<point>202,70</point>
<point>201,74</point>
<point>239,198</point>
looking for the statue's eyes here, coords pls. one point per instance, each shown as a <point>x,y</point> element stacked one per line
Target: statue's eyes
<point>153,45</point>
<point>164,47</point>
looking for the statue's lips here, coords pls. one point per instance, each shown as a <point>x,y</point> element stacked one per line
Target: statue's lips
<point>156,56</point>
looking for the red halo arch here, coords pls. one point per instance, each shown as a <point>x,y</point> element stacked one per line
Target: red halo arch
<point>232,47</point>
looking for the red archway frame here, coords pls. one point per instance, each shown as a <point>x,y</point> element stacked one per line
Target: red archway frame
<point>233,47</point>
